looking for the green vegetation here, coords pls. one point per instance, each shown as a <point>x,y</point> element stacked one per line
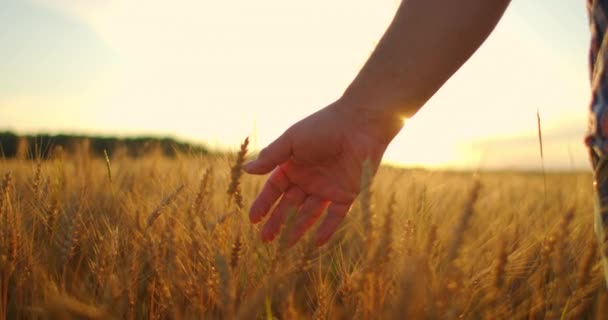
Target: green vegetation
<point>42,146</point>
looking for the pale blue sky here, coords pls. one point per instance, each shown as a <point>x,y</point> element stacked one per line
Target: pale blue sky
<point>44,52</point>
<point>213,71</point>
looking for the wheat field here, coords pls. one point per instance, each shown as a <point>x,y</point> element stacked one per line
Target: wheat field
<point>169,238</point>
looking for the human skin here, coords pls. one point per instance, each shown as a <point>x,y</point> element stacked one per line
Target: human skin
<point>317,163</point>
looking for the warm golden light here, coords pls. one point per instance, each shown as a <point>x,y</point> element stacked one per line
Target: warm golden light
<point>210,68</point>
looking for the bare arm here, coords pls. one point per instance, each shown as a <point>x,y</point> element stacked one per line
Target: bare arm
<point>426,43</point>
<point>317,163</point>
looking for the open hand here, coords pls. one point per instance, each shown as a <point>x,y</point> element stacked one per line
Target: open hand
<point>316,165</point>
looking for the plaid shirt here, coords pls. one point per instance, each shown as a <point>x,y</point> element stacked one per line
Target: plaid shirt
<point>597,137</point>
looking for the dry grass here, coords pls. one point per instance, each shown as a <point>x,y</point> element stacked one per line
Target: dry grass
<point>157,238</point>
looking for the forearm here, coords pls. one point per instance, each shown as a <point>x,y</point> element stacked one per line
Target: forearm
<point>426,43</point>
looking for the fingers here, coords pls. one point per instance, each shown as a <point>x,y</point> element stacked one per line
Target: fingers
<point>335,215</point>
<point>335,193</point>
<point>276,184</point>
<point>291,201</point>
<point>311,210</point>
<point>270,157</point>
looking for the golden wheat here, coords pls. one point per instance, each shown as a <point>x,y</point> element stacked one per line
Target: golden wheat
<point>418,244</point>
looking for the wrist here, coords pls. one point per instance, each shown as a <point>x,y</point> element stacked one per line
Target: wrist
<point>375,117</point>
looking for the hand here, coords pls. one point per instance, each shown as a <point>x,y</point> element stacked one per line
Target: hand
<point>316,165</point>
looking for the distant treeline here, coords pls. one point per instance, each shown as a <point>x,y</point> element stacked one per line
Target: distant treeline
<point>44,145</point>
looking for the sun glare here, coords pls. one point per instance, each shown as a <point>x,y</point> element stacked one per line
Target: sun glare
<point>212,67</point>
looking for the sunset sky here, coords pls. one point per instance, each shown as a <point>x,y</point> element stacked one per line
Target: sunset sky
<point>218,71</point>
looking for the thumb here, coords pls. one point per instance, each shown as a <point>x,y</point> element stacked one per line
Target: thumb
<point>270,157</point>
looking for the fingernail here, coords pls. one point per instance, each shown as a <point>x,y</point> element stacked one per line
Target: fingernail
<point>254,218</point>
<point>267,236</point>
<point>320,240</point>
<point>247,165</point>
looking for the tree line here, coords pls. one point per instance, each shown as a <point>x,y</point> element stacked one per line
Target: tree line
<point>43,146</point>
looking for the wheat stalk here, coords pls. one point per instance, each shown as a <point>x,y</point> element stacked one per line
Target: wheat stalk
<point>163,204</point>
<point>108,166</point>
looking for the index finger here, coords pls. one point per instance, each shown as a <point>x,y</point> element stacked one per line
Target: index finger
<point>274,187</point>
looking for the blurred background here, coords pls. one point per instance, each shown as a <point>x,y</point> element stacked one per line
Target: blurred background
<point>214,72</point>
